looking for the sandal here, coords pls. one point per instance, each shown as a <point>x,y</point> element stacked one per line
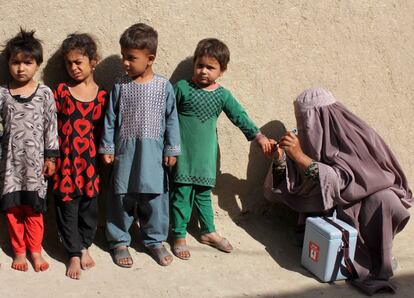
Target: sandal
<point>179,248</point>
<point>119,254</point>
<point>223,245</point>
<point>158,253</point>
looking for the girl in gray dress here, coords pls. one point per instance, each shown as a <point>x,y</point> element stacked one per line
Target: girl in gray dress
<point>29,146</point>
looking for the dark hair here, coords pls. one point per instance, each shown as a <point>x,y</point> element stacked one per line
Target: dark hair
<point>24,42</point>
<point>140,36</point>
<point>82,42</point>
<point>214,48</point>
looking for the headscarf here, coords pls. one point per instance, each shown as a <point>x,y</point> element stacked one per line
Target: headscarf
<point>332,135</point>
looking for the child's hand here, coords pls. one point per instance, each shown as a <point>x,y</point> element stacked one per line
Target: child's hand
<point>264,144</point>
<point>169,161</point>
<point>49,168</point>
<point>108,158</point>
<point>273,143</point>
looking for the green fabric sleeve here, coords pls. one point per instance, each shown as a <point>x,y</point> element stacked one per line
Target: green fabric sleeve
<point>238,116</point>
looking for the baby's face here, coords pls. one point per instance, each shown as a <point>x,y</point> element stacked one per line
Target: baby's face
<point>206,70</point>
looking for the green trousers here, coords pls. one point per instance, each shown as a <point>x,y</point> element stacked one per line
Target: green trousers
<point>183,198</point>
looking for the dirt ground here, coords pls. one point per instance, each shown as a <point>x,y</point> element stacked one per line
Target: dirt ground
<point>263,264</point>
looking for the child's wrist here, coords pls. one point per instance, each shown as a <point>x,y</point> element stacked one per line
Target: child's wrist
<point>259,136</point>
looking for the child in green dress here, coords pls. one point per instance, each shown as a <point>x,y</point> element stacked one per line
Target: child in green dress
<point>200,102</point>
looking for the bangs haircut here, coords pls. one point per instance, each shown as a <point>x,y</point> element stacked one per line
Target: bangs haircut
<point>212,47</point>
<point>82,42</point>
<point>24,42</point>
<point>140,36</point>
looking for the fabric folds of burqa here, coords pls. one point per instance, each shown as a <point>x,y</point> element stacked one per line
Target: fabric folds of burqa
<point>359,175</point>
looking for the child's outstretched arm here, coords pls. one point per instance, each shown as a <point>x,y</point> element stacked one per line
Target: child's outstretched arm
<point>50,134</point>
<point>238,116</point>
<point>172,146</point>
<point>107,146</point>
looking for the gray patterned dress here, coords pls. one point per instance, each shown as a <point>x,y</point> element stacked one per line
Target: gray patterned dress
<point>29,136</point>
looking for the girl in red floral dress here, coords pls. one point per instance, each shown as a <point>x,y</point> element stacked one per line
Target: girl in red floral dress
<point>80,105</point>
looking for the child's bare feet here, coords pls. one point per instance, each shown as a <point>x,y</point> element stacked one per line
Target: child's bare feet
<point>74,268</point>
<point>20,263</point>
<point>180,249</point>
<point>39,263</point>
<point>215,240</point>
<point>86,260</point>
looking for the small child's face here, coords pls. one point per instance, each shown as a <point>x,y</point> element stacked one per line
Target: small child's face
<point>79,66</point>
<point>206,70</point>
<point>136,62</point>
<point>22,67</point>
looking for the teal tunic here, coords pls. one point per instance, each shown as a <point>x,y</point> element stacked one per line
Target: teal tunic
<point>140,128</point>
<point>198,111</point>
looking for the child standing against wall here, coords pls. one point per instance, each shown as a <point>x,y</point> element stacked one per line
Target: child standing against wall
<point>80,106</point>
<point>141,138</point>
<point>199,102</point>
<point>29,148</point>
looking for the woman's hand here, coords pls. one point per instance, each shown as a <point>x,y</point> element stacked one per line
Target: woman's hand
<point>290,143</point>
<point>277,152</point>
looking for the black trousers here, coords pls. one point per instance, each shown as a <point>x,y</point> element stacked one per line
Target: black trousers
<point>77,223</point>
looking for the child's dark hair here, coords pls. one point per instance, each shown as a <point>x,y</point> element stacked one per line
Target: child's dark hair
<point>24,42</point>
<point>82,42</point>
<point>212,47</point>
<point>140,36</point>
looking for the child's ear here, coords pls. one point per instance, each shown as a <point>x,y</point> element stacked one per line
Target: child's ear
<point>94,62</point>
<point>151,58</point>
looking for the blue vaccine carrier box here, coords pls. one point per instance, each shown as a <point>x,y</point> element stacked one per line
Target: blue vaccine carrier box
<point>322,252</point>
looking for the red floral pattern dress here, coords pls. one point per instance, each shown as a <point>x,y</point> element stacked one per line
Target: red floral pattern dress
<point>79,126</point>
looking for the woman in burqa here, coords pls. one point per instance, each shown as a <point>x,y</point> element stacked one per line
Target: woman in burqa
<point>336,161</point>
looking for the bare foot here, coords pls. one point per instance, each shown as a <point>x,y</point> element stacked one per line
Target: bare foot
<point>215,240</point>
<point>20,263</point>
<point>180,249</point>
<point>74,268</point>
<point>86,260</point>
<point>39,263</point>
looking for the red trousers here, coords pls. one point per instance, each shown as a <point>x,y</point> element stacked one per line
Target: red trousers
<point>25,229</point>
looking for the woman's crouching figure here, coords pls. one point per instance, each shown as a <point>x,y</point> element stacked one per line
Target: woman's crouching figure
<point>337,161</point>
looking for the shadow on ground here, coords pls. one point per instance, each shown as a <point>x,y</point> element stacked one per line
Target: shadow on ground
<point>403,283</point>
<point>269,223</point>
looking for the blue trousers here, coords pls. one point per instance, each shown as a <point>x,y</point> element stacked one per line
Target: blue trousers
<point>151,211</point>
